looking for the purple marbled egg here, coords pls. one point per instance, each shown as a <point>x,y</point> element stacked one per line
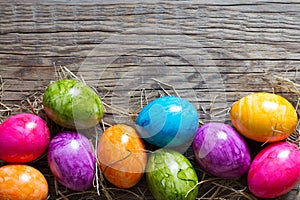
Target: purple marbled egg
<point>72,160</point>
<point>221,151</point>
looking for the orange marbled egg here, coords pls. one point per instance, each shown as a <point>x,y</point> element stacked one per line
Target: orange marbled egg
<point>122,156</point>
<point>264,117</point>
<point>22,182</point>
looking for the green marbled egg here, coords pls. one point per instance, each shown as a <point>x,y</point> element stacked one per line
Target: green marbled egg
<point>72,104</point>
<point>170,175</point>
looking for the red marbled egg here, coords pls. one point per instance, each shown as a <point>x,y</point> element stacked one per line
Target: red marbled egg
<point>275,170</point>
<point>23,138</point>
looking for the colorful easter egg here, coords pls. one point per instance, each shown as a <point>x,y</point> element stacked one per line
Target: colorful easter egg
<point>275,170</point>
<point>72,160</point>
<point>122,156</point>
<point>170,175</point>
<point>72,104</point>
<point>22,182</point>
<point>221,151</point>
<point>168,121</point>
<point>264,117</point>
<point>23,138</point>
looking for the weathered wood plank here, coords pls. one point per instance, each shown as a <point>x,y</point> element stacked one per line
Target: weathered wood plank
<point>212,49</point>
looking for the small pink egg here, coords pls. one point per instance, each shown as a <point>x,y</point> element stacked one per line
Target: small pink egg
<point>23,138</point>
<point>275,170</point>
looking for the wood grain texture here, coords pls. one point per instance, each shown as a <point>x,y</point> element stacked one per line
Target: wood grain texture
<point>219,50</point>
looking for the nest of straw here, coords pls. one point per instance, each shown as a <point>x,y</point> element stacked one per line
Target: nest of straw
<point>210,186</point>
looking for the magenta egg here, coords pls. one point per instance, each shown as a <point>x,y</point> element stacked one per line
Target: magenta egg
<point>23,138</point>
<point>221,151</point>
<point>275,170</point>
<point>72,160</point>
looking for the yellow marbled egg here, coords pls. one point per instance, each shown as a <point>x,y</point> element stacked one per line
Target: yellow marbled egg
<point>264,117</point>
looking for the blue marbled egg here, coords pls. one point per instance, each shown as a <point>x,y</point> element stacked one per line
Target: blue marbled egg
<point>168,121</point>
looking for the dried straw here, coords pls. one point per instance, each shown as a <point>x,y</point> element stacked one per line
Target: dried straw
<point>210,187</point>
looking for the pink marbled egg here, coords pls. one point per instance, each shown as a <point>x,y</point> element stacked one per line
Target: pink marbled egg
<point>275,170</point>
<point>23,138</point>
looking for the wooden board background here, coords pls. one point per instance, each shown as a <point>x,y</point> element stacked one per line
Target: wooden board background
<point>218,50</point>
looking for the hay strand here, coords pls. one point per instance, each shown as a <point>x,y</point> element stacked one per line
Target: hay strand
<point>211,187</point>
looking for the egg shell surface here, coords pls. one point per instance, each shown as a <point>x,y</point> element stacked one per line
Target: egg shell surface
<point>72,104</point>
<point>167,121</point>
<point>264,117</point>
<point>22,182</point>
<point>275,170</point>
<point>23,138</point>
<point>170,175</point>
<point>221,150</point>
<point>72,160</point>
<point>122,156</point>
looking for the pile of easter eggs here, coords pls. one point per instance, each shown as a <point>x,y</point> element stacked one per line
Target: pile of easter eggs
<point>166,123</point>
